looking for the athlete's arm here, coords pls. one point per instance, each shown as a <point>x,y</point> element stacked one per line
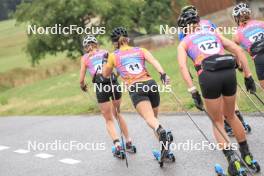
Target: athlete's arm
<point>153,61</point>
<point>238,51</point>
<point>182,60</point>
<point>108,67</point>
<point>82,71</point>
<point>82,75</point>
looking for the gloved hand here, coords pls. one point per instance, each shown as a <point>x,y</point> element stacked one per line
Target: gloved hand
<point>83,87</point>
<point>197,100</point>
<point>250,85</point>
<point>165,79</point>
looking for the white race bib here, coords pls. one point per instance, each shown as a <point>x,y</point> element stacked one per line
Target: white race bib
<point>99,68</point>
<point>134,68</point>
<point>256,37</point>
<point>209,47</point>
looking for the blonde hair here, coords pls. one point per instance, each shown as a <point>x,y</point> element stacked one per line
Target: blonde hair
<point>122,41</point>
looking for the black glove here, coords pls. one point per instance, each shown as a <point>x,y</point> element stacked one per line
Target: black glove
<point>83,87</point>
<point>250,85</point>
<point>164,78</point>
<point>197,100</point>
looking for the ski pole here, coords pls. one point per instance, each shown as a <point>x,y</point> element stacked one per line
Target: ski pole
<point>118,121</point>
<point>190,117</point>
<point>255,105</point>
<point>262,102</point>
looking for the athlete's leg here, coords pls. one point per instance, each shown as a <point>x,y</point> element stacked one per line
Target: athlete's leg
<point>106,110</point>
<point>232,119</point>
<point>123,125</point>
<point>156,111</point>
<point>212,106</point>
<point>146,112</point>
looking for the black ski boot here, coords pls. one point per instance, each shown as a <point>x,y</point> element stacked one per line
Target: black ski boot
<point>234,166</point>
<point>248,157</point>
<point>245,124</point>
<point>118,151</point>
<point>165,139</point>
<point>228,129</point>
<point>130,147</point>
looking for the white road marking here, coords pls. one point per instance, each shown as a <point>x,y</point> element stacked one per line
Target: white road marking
<point>69,161</point>
<point>2,147</point>
<point>44,155</point>
<point>21,151</point>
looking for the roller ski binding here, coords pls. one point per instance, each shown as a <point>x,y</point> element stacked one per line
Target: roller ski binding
<point>228,130</point>
<point>251,163</point>
<point>247,127</point>
<point>130,148</point>
<point>234,169</point>
<point>165,154</point>
<point>118,152</point>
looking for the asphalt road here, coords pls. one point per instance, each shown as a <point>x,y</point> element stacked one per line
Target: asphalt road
<point>18,158</point>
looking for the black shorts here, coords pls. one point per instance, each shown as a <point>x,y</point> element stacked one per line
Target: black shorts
<point>217,83</point>
<point>259,64</point>
<point>146,91</point>
<point>104,92</point>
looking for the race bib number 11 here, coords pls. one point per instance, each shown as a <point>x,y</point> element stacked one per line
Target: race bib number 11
<point>134,68</point>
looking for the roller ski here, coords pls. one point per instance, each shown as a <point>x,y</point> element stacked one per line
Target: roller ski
<point>118,152</point>
<point>252,164</point>
<point>130,148</point>
<point>165,154</point>
<point>235,168</point>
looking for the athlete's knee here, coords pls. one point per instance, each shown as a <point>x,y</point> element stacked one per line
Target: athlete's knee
<point>107,114</point>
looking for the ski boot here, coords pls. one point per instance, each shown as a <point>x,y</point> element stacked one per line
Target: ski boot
<point>228,129</point>
<point>130,147</point>
<point>247,127</point>
<point>165,154</point>
<point>245,124</point>
<point>251,163</point>
<point>118,152</point>
<point>235,168</point>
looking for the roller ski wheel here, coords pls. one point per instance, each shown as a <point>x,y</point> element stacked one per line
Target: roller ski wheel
<point>251,163</point>
<point>118,152</point>
<point>131,148</point>
<point>169,157</point>
<point>219,170</point>
<point>234,169</point>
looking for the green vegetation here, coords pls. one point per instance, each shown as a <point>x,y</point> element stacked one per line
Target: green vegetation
<point>57,90</point>
<point>61,94</point>
<point>135,15</point>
